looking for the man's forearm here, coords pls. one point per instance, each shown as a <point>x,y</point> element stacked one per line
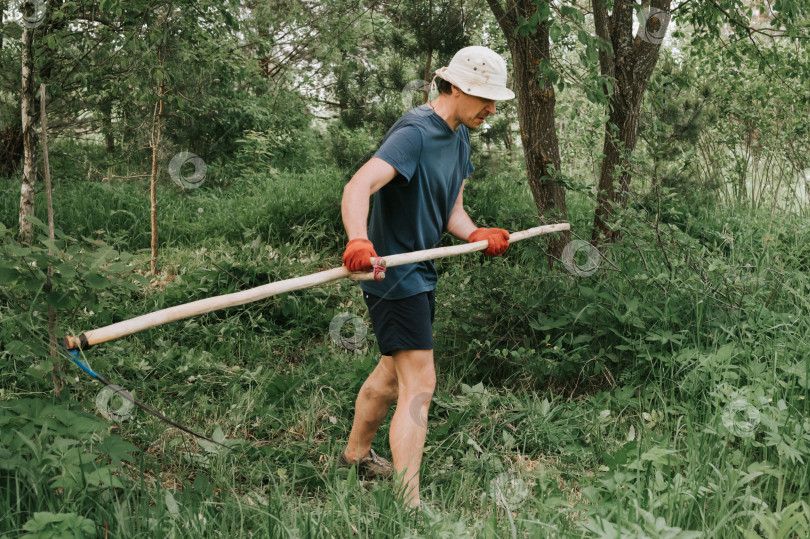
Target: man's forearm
<point>460,225</point>
<point>354,209</point>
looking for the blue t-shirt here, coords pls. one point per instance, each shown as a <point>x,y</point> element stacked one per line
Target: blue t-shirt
<point>410,212</point>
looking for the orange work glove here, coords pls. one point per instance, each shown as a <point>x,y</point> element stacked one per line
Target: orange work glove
<point>498,240</point>
<point>358,253</point>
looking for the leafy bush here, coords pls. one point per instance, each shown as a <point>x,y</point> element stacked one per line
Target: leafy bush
<point>54,456</point>
<point>273,132</point>
<point>88,282</point>
<point>350,148</point>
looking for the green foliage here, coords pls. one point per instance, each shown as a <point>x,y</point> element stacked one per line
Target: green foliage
<point>674,119</point>
<point>88,277</point>
<point>53,455</point>
<point>351,148</point>
<point>754,144</point>
<point>73,277</point>
<point>613,387</point>
<point>275,130</point>
<point>373,78</point>
<point>53,525</point>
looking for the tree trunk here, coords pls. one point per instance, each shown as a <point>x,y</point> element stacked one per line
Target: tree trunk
<point>630,66</point>
<point>156,129</point>
<point>58,382</point>
<point>26,231</point>
<point>536,103</point>
<point>620,142</point>
<point>106,122</point>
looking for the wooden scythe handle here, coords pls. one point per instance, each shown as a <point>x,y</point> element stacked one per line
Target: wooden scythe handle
<point>202,306</point>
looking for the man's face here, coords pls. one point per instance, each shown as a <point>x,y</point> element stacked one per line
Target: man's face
<point>472,110</point>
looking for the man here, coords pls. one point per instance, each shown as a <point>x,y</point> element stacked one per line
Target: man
<point>417,177</point>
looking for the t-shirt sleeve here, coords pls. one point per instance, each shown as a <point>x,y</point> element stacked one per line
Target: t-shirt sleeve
<point>402,149</point>
<point>468,169</point>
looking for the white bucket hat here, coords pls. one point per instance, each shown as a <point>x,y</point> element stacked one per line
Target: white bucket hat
<point>478,71</point>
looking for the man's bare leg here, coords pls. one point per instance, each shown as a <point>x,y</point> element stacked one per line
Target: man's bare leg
<point>375,398</point>
<point>416,376</point>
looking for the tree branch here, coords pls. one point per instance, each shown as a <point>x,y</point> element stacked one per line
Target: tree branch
<point>505,18</point>
<point>600,19</point>
<point>621,26</point>
<point>740,23</point>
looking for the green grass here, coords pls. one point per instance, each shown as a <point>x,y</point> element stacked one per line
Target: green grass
<point>566,406</point>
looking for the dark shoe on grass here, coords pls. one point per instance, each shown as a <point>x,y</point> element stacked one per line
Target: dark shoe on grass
<point>372,466</point>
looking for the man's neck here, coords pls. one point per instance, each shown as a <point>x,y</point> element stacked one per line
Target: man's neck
<point>443,106</point>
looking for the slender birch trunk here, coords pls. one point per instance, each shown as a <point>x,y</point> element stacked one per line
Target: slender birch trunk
<point>26,231</point>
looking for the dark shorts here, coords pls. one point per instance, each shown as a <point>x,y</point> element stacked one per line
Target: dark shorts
<point>402,324</point>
